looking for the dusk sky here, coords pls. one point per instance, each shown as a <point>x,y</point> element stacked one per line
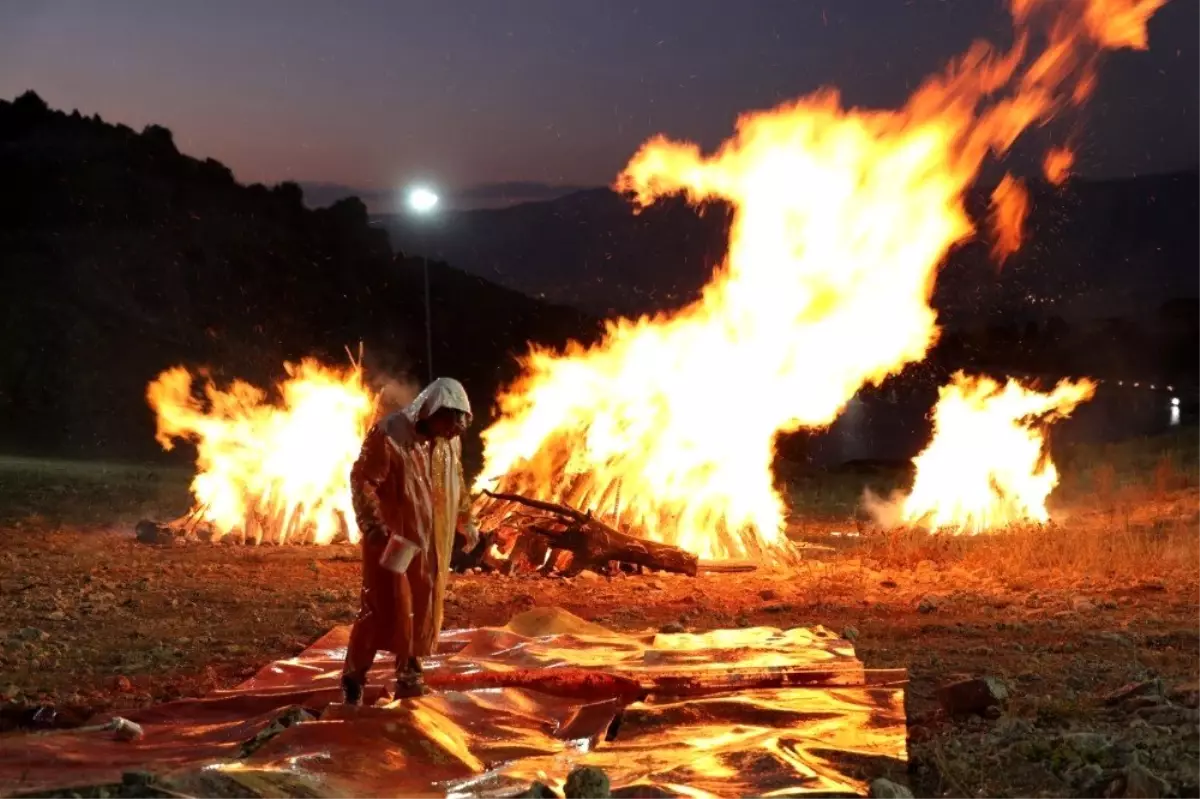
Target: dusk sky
<point>374,94</point>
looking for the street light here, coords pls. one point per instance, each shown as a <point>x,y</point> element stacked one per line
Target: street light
<point>422,201</point>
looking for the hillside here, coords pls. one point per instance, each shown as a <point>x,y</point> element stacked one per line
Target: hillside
<point>1093,250</point>
<point>123,257</point>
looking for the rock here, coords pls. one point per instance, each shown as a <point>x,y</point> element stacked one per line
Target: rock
<point>587,576</point>
<point>1087,744</point>
<point>742,620</point>
<point>927,604</point>
<point>1082,604</point>
<point>587,782</point>
<point>1141,783</point>
<point>886,789</point>
<point>1186,694</point>
<point>121,683</point>
<point>850,634</point>
<point>153,533</point>
<point>671,628</point>
<point>767,595</point>
<point>32,634</point>
<point>1130,690</point>
<point>972,696</point>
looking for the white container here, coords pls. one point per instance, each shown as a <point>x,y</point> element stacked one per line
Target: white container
<point>398,554</point>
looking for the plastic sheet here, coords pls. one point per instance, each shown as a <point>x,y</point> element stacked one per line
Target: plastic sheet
<point>728,713</point>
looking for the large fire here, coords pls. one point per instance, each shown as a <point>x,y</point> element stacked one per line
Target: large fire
<point>987,466</point>
<point>840,220</point>
<point>274,470</point>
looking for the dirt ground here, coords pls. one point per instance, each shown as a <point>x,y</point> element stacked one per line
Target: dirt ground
<point>91,621</point>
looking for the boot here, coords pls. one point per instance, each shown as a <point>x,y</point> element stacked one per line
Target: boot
<point>352,691</point>
<point>410,681</point>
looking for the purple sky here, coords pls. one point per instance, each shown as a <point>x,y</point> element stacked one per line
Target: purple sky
<point>373,94</point>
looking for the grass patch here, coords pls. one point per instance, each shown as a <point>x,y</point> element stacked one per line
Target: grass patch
<point>89,492</point>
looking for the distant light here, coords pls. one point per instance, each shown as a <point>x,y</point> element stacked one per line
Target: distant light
<point>1153,387</point>
<point>422,200</point>
<point>1175,402</point>
<point>1170,388</point>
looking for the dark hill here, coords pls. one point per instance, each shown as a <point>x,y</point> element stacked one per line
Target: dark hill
<point>1093,249</point>
<point>122,257</point>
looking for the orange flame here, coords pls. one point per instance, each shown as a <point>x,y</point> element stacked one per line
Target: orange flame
<point>1010,206</point>
<point>276,470</point>
<point>987,466</point>
<point>1057,165</point>
<point>840,220</point>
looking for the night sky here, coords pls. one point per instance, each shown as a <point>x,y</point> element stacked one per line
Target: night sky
<point>374,94</point>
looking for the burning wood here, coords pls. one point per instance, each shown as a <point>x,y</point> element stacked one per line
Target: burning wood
<point>534,535</point>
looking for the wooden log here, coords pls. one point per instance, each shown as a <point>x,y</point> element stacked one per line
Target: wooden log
<point>595,543</point>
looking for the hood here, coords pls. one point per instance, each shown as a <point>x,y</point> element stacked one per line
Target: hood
<point>445,392</point>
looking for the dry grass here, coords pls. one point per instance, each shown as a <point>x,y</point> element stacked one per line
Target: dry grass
<point>1124,512</point>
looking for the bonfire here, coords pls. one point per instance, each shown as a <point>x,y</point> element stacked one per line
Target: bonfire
<point>655,447</point>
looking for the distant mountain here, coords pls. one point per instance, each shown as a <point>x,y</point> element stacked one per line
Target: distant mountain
<point>1093,249</point>
<point>122,257</point>
<point>482,196</point>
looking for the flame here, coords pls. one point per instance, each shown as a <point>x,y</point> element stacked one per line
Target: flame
<point>1057,165</point>
<point>840,219</point>
<point>987,465</point>
<point>1010,206</point>
<point>274,469</point>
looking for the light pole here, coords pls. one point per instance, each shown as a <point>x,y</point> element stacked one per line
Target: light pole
<point>422,202</point>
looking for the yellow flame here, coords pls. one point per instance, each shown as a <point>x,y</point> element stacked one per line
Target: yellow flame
<point>987,466</point>
<point>840,219</point>
<point>275,468</point>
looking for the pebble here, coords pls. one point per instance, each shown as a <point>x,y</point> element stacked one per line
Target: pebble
<point>927,605</point>
<point>1130,690</point>
<point>587,782</point>
<point>972,696</point>
<point>886,789</point>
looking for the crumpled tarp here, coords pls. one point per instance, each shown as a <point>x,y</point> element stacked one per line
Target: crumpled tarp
<point>749,712</point>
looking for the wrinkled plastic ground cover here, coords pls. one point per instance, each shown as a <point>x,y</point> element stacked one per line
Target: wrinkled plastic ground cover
<point>747,712</point>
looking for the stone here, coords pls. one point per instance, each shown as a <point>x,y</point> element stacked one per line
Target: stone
<point>671,628</point>
<point>1142,783</point>
<point>927,604</point>
<point>850,634</point>
<point>972,696</point>
<point>1087,744</point>
<point>1130,690</point>
<point>1082,604</point>
<point>886,789</point>
<point>587,782</point>
<point>1186,694</point>
<point>767,595</point>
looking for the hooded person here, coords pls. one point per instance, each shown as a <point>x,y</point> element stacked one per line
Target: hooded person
<point>408,483</point>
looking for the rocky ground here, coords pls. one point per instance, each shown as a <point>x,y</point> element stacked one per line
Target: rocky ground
<point>1060,662</point>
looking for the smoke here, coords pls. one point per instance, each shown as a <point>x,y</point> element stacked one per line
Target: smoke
<point>886,513</point>
<point>393,393</point>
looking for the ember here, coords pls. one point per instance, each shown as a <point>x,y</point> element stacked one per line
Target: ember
<point>841,218</point>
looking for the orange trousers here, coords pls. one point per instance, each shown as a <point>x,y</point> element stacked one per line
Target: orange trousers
<point>395,612</point>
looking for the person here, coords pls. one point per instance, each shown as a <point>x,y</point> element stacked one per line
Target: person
<point>408,482</point>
